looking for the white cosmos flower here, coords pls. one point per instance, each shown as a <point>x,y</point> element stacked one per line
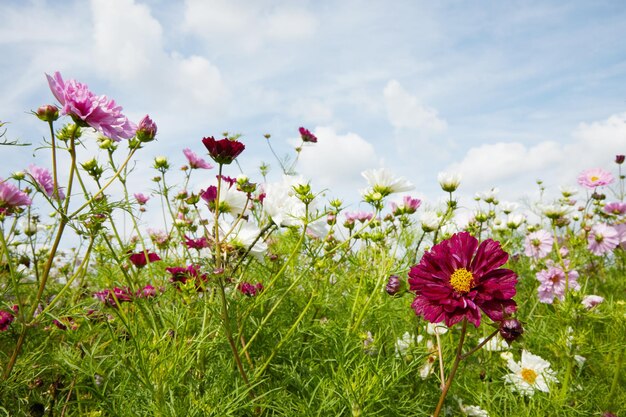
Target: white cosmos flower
<point>472,410</point>
<point>403,344</point>
<point>384,182</point>
<point>436,328</point>
<point>245,235</point>
<point>232,200</point>
<point>449,181</point>
<point>430,221</point>
<point>530,374</point>
<point>281,203</point>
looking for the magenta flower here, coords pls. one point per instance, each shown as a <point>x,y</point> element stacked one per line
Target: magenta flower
<point>408,205</point>
<point>195,162</point>
<point>180,276</point>
<point>111,298</point>
<point>88,109</point>
<point>6,318</point>
<point>250,290</point>
<point>147,292</point>
<point>458,277</point>
<point>602,239</point>
<point>146,129</point>
<point>43,177</point>
<point>141,198</point>
<point>538,244</point>
<point>617,208</point>
<point>595,177</point>
<point>619,159</point>
<point>223,151</point>
<point>307,136</point>
<point>140,260</point>
<point>553,282</point>
<point>198,244</point>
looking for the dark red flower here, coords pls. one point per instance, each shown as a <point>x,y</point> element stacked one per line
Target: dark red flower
<point>250,290</point>
<point>457,278</point>
<point>139,259</point>
<point>511,330</point>
<point>307,136</point>
<point>223,151</point>
<point>199,243</point>
<point>6,319</point>
<point>180,276</point>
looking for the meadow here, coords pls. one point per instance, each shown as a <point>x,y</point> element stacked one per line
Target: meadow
<point>257,298</point>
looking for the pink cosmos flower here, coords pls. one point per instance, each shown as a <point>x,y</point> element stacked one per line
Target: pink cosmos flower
<point>6,318</point>
<point>250,290</point>
<point>458,277</point>
<point>195,162</point>
<point>140,260</point>
<point>180,276</point>
<point>621,234</point>
<point>538,244</point>
<point>602,239</point>
<point>111,298</point>
<point>90,110</point>
<point>595,177</point>
<point>617,208</point>
<point>146,129</point>
<point>408,205</point>
<point>200,243</point>
<point>307,136</point>
<point>12,197</point>
<point>43,177</point>
<point>141,198</point>
<point>590,301</point>
<point>553,283</point>
<point>147,292</point>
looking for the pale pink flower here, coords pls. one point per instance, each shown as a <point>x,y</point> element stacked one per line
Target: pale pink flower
<point>538,244</point>
<point>553,282</point>
<point>43,177</point>
<point>621,234</point>
<point>590,301</point>
<point>195,162</point>
<point>602,239</point>
<point>595,177</point>
<point>85,107</point>
<point>11,197</point>
<point>141,198</point>
<point>408,205</point>
<point>617,207</point>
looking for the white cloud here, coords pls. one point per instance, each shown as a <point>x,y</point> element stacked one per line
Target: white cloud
<point>311,111</point>
<point>405,110</point>
<point>336,161</point>
<point>249,24</point>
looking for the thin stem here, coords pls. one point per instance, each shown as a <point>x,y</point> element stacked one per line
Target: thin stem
<point>455,366</point>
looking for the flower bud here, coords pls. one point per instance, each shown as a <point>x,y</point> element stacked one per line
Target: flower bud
<point>619,159</point>
<point>48,113</point>
<point>394,285</point>
<point>146,129</point>
<point>18,175</point>
<point>160,163</point>
<point>510,330</point>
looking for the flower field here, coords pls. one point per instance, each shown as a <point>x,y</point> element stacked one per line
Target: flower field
<point>261,298</point>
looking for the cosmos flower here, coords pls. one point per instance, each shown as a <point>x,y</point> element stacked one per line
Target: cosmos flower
<point>200,243</point>
<point>12,197</point>
<point>140,260</point>
<point>602,239</point>
<point>6,318</point>
<point>146,129</point>
<point>195,162</point>
<point>249,289</point>
<point>458,278</point>
<point>590,301</point>
<point>307,136</point>
<point>595,177</point>
<point>449,181</point>
<point>538,244</point>
<point>384,182</point>
<point>553,280</point>
<point>223,151</point>
<point>617,208</point>
<point>141,198</point>
<point>90,110</point>
<point>111,298</point>
<point>408,205</point>
<point>530,374</point>
<point>43,177</point>
<point>281,203</point>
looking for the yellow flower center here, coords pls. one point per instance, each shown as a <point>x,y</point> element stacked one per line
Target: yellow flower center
<point>529,375</point>
<point>594,178</point>
<point>462,280</point>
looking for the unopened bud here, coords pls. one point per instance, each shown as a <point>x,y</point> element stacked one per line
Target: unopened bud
<point>48,113</point>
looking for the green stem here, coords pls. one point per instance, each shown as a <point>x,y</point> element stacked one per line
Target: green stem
<point>455,366</point>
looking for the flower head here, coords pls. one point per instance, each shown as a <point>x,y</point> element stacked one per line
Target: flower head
<point>12,197</point>
<point>617,208</point>
<point>595,177</point>
<point>530,374</point>
<point>384,182</point>
<point>538,244</point>
<point>553,282</point>
<point>195,162</point>
<point>111,298</point>
<point>449,181</point>
<point>408,205</point>
<point>146,129</point>
<point>394,285</point>
<point>6,318</point>
<point>249,289</point>
<point>590,301</point>
<point>48,113</point>
<point>223,151</point>
<point>307,136</point>
<point>619,159</point>
<point>140,260</point>
<point>141,198</point>
<point>90,110</point>
<point>602,239</point>
<point>458,277</point>
<point>511,330</point>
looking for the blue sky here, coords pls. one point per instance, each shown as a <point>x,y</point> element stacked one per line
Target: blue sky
<point>503,92</point>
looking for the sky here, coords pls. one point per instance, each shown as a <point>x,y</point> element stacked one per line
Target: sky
<point>504,93</point>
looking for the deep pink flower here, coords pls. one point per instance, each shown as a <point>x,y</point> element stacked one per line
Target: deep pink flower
<point>209,195</point>
<point>409,205</point>
<point>111,298</point>
<point>250,290</point>
<point>146,129</point>
<point>90,110</point>
<point>617,208</point>
<point>458,277</point>
<point>602,239</point>
<point>595,177</point>
<point>200,243</point>
<point>195,162</point>
<point>139,259</point>
<point>147,292</point>
<point>180,275</point>
<point>223,151</point>
<point>6,318</point>
<point>12,197</point>
<point>538,244</point>
<point>553,283</point>
<point>141,198</point>
<point>43,177</point>
<point>619,159</point>
<point>307,136</point>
